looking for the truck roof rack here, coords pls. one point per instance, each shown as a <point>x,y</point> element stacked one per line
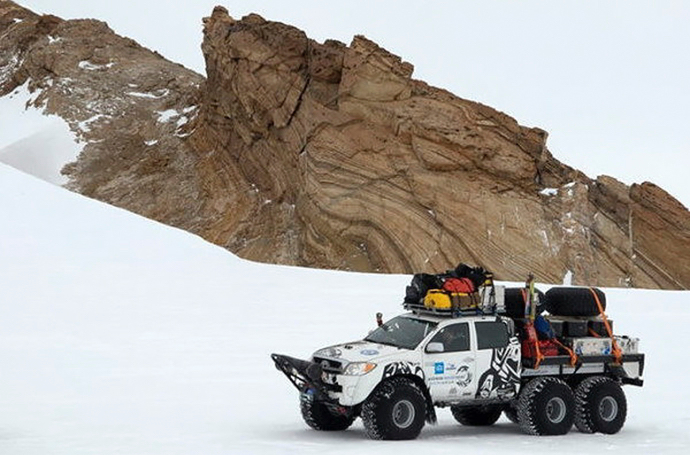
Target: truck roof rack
<point>489,298</point>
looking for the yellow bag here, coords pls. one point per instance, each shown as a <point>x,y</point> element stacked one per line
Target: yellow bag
<point>437,299</point>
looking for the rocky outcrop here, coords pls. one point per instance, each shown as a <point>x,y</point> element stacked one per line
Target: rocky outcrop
<point>128,106</point>
<point>328,155</point>
<point>332,155</point>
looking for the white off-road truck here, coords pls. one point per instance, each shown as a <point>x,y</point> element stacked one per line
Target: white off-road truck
<point>479,365</point>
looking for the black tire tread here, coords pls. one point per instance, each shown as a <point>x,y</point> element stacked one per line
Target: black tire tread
<point>527,405</point>
<point>477,416</point>
<point>317,416</point>
<point>515,303</point>
<point>377,429</point>
<point>574,301</point>
<point>585,420</point>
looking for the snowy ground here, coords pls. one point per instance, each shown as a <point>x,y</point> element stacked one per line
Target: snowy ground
<point>24,133</point>
<point>119,335</point>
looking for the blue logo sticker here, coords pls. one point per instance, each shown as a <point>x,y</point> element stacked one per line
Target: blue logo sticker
<point>439,368</point>
<point>369,352</point>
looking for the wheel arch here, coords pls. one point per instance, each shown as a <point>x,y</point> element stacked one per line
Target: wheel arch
<point>430,410</point>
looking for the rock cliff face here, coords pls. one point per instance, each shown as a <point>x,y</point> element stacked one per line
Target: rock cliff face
<point>328,155</point>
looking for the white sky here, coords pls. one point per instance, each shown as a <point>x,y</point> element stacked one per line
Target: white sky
<point>607,79</point>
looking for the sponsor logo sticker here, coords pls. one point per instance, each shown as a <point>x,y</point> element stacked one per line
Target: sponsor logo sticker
<point>369,352</point>
<point>439,368</point>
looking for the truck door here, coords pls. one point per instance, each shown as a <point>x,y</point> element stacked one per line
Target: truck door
<point>498,361</point>
<point>451,373</point>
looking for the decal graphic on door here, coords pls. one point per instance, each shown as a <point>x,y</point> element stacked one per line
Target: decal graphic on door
<point>463,376</point>
<point>503,375</point>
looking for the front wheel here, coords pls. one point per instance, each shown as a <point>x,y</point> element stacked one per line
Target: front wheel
<point>317,415</point>
<point>600,406</point>
<point>396,410</point>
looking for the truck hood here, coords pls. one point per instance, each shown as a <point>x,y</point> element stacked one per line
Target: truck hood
<point>357,351</point>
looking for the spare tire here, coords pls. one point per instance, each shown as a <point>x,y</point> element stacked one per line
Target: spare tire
<point>570,301</point>
<point>515,302</point>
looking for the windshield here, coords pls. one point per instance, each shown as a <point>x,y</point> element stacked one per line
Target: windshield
<point>402,332</point>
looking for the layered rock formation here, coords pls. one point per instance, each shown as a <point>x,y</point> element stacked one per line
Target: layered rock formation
<point>328,155</point>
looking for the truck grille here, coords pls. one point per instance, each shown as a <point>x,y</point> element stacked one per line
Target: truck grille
<point>329,365</point>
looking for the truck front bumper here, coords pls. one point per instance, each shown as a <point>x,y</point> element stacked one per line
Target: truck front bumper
<point>304,374</point>
<point>338,389</point>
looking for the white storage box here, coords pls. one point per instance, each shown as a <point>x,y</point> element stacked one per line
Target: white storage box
<point>628,345</point>
<point>590,346</point>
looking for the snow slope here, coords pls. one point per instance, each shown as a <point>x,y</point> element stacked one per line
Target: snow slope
<point>119,335</point>
<point>33,142</point>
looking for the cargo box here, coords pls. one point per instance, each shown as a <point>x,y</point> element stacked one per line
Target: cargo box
<point>564,326</point>
<point>590,345</point>
<point>597,326</point>
<point>573,328</point>
<point>628,345</point>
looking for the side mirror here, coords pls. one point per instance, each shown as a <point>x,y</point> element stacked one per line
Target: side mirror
<point>434,347</point>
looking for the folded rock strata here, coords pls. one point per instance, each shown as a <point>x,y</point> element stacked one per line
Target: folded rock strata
<point>333,156</point>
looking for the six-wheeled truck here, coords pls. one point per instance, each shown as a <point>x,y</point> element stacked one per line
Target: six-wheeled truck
<point>545,371</point>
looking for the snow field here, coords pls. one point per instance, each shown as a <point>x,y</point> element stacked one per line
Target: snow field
<point>119,335</point>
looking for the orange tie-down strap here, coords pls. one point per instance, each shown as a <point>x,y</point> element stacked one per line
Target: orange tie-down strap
<point>617,354</point>
<point>571,353</point>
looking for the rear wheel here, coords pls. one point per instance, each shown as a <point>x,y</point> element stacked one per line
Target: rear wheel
<point>477,416</point>
<point>395,410</point>
<point>546,406</point>
<point>317,415</point>
<point>600,406</point>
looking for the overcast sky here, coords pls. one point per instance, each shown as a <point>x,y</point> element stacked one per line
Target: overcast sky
<point>609,80</point>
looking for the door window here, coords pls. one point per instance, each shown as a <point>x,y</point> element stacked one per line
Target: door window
<point>491,335</point>
<point>454,338</point>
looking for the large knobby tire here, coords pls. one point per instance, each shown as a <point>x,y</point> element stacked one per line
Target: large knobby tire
<point>514,302</point>
<point>317,415</point>
<point>600,406</point>
<point>546,406</point>
<point>567,301</point>
<point>395,410</point>
<point>477,416</point>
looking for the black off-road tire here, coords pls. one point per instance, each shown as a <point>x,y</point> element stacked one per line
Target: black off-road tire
<point>317,415</point>
<point>570,301</point>
<point>395,410</point>
<point>511,413</point>
<point>477,416</point>
<point>546,406</point>
<point>515,302</point>
<point>600,406</point>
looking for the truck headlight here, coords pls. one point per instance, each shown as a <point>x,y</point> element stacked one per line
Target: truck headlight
<point>359,368</point>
